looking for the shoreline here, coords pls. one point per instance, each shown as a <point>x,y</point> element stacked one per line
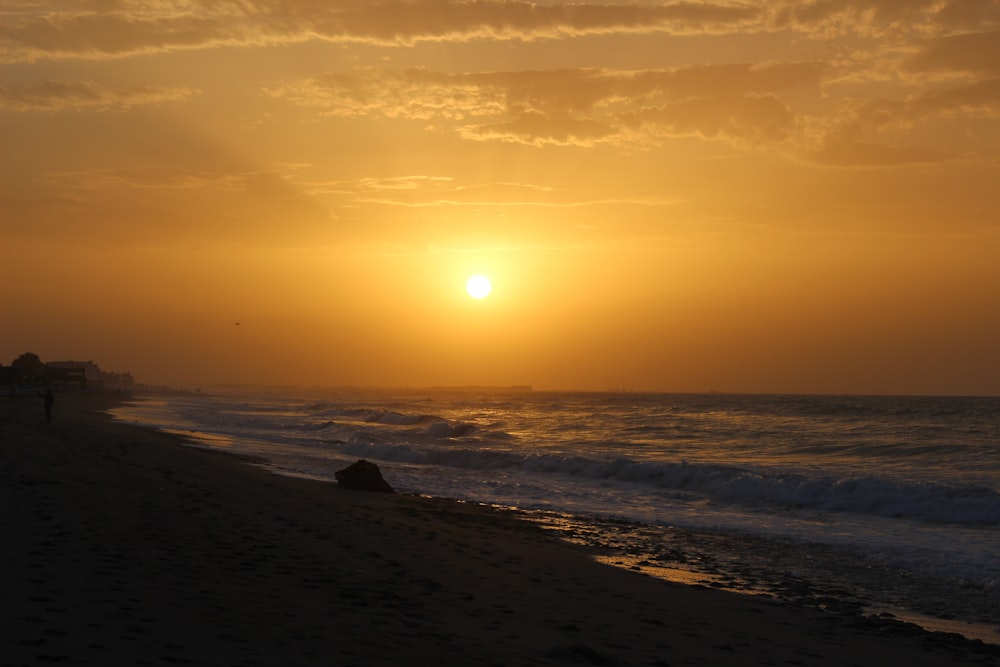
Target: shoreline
<point>838,580</point>
<point>687,560</point>
<point>131,546</point>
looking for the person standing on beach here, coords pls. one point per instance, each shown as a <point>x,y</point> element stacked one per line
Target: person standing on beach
<point>48,399</point>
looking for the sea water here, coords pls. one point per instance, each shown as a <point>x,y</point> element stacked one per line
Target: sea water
<point>874,504</point>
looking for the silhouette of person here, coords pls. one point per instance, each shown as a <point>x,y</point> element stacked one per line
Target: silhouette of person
<point>48,399</point>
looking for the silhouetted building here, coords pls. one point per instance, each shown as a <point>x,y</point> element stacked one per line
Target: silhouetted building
<point>65,376</point>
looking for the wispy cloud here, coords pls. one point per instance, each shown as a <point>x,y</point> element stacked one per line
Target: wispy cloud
<point>84,95</point>
<point>428,191</point>
<point>167,205</point>
<point>842,150</point>
<point>879,18</point>
<point>116,28</point>
<point>970,53</point>
<point>879,132</point>
<point>740,119</point>
<point>127,27</point>
<point>577,106</point>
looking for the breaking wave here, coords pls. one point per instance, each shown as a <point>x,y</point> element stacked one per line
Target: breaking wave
<point>874,495</point>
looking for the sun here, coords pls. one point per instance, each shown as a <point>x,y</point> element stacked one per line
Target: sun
<point>478,286</point>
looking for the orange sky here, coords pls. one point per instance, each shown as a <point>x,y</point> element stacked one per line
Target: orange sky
<point>743,196</point>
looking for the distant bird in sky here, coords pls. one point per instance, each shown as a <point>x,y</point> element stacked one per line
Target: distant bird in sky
<point>236,324</point>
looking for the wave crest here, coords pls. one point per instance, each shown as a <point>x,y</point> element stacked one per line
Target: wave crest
<point>872,495</point>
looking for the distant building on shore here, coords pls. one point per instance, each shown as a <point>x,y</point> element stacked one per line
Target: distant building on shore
<point>95,376</point>
<point>29,371</point>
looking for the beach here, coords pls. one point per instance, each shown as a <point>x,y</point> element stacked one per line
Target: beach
<point>124,546</point>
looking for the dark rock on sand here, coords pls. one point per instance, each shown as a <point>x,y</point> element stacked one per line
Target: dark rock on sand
<point>362,476</point>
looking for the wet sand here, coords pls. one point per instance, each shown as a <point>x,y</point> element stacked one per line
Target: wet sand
<point>121,545</point>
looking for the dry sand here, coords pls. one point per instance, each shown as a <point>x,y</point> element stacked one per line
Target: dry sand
<point>122,546</point>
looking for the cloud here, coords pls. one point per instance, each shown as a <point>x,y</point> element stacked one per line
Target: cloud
<point>741,119</point>
<point>52,29</point>
<point>571,106</point>
<point>414,93</point>
<point>123,28</point>
<point>448,20</point>
<point>968,14</point>
<point>973,53</point>
<point>425,191</point>
<point>167,206</point>
<point>534,128</point>
<point>976,98</point>
<point>730,78</point>
<point>878,18</point>
<point>149,177</point>
<point>64,30</point>
<point>842,150</point>
<point>854,16</point>
<point>880,132</point>
<point>401,184</point>
<point>898,118</point>
<point>84,95</point>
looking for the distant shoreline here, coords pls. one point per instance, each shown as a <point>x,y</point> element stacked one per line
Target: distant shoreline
<point>471,388</point>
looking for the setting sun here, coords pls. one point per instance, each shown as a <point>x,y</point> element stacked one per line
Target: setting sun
<point>674,196</point>
<point>478,287</point>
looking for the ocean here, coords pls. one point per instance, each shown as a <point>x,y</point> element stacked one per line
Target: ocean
<point>860,504</point>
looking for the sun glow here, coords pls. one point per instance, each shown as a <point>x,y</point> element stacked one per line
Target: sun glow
<point>478,286</point>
